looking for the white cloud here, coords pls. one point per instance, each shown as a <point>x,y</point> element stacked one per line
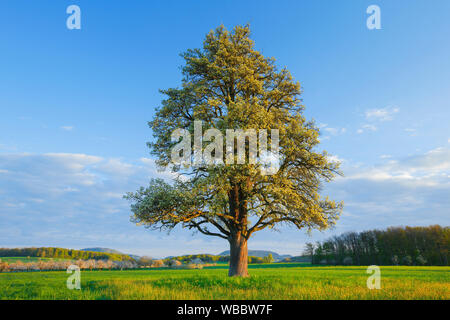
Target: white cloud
<point>67,128</point>
<point>370,127</point>
<point>70,189</point>
<point>409,191</point>
<point>331,131</point>
<point>367,127</point>
<point>117,167</point>
<point>74,160</point>
<point>426,168</point>
<point>75,200</point>
<point>334,158</point>
<point>432,162</point>
<point>412,132</point>
<point>8,148</point>
<point>335,131</point>
<point>36,200</point>
<point>383,114</point>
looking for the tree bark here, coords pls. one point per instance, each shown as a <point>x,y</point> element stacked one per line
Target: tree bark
<point>237,238</point>
<point>238,256</point>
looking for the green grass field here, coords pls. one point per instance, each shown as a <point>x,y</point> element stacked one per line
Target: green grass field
<point>274,281</point>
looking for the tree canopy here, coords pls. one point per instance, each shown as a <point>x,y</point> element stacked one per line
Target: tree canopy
<point>228,84</point>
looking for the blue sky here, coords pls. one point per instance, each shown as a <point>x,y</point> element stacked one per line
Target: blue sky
<point>74,106</point>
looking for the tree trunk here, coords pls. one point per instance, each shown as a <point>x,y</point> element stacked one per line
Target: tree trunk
<point>238,256</point>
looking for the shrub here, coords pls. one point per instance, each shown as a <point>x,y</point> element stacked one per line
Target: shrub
<point>157,264</point>
<point>395,260</point>
<point>145,261</point>
<point>421,261</point>
<point>407,260</point>
<point>268,258</point>
<point>174,263</point>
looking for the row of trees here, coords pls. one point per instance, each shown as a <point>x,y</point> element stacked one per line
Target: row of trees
<point>147,262</point>
<point>188,261</point>
<point>394,246</point>
<point>209,258</point>
<point>62,253</point>
<point>53,265</point>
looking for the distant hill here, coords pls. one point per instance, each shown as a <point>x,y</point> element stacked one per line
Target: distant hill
<point>113,251</point>
<point>107,250</point>
<point>261,253</point>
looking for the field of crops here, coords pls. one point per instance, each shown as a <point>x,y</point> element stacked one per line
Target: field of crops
<point>274,281</point>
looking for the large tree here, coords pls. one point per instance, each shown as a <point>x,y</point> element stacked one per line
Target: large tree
<point>229,85</point>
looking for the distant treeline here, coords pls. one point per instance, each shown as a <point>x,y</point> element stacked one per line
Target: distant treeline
<point>209,258</point>
<point>394,246</point>
<point>62,253</point>
<point>306,259</point>
<point>204,257</point>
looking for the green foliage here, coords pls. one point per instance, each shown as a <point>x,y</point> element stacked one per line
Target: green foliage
<point>407,260</point>
<point>421,261</point>
<point>62,253</point>
<point>268,258</point>
<point>252,260</point>
<point>407,246</point>
<point>395,260</point>
<point>145,261</point>
<point>228,84</point>
<point>309,251</point>
<point>29,259</point>
<point>209,258</point>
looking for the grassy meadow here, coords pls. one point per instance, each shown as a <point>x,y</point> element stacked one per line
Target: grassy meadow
<point>269,281</point>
